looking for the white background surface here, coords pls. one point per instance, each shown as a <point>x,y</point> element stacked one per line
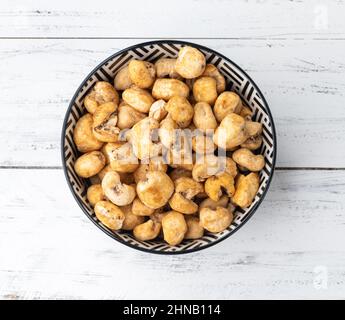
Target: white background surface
<point>293,247</point>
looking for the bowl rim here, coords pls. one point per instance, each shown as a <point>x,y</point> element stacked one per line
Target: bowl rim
<point>168,41</point>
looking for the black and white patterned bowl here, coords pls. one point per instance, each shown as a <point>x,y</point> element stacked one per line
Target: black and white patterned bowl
<point>237,80</point>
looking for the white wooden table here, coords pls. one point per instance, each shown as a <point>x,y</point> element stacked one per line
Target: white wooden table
<point>294,245</point>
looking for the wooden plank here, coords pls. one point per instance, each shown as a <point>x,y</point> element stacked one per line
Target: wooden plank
<point>234,19</point>
<point>303,82</point>
<point>49,249</point>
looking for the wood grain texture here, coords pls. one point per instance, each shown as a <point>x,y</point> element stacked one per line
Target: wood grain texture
<point>302,81</point>
<point>294,50</point>
<point>49,249</point>
<point>193,18</point>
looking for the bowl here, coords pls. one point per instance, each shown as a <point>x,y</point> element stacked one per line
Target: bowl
<point>237,80</point>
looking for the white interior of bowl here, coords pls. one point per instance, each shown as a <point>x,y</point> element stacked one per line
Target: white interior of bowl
<point>236,81</point>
